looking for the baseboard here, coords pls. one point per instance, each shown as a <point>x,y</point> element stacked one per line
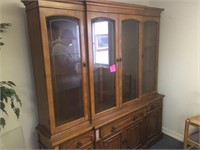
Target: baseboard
<point>172,134</point>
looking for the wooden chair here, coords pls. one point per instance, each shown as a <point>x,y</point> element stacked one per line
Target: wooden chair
<point>192,139</point>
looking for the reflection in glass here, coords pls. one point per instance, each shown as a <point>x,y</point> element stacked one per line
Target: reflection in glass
<point>104,63</point>
<point>130,49</point>
<point>64,44</point>
<point>149,56</point>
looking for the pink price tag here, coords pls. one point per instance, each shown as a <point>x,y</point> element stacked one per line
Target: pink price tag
<point>112,68</point>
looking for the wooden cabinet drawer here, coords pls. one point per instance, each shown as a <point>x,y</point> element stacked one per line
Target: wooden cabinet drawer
<point>117,125</point>
<point>154,105</point>
<point>82,141</point>
<point>136,115</point>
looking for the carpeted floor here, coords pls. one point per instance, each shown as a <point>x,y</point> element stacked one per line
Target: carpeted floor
<point>168,142</point>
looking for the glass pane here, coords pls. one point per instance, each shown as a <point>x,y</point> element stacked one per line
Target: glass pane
<point>149,56</point>
<point>65,54</point>
<point>130,49</point>
<point>104,63</point>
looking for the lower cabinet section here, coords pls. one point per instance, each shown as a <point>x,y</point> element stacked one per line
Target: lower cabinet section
<point>139,128</point>
<point>129,137</point>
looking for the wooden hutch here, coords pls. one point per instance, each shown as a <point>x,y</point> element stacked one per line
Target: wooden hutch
<point>98,91</point>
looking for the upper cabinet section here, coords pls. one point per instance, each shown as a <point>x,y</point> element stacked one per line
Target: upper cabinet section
<point>91,58</point>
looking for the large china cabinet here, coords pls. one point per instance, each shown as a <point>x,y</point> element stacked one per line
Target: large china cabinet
<point>95,66</point>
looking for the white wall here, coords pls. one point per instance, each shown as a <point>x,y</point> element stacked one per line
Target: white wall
<point>16,66</point>
<point>179,62</point>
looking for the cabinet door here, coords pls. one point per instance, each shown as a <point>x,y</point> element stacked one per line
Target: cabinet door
<point>113,142</point>
<point>130,39</point>
<point>149,64</point>
<point>134,135</point>
<point>66,66</point>
<point>153,124</point>
<point>102,52</point>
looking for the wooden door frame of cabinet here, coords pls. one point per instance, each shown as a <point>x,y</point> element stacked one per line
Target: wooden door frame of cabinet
<point>157,20</point>
<point>90,16</point>
<point>139,19</point>
<point>44,12</point>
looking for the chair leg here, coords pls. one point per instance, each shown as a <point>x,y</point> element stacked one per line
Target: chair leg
<point>186,134</point>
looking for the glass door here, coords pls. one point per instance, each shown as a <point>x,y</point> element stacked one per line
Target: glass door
<point>66,68</point>
<point>102,52</point>
<point>149,65</point>
<point>104,63</point>
<point>130,59</point>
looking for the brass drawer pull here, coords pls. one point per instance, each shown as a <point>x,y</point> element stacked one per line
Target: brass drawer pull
<point>79,144</point>
<point>134,118</point>
<point>84,64</point>
<point>124,141</point>
<point>152,107</point>
<point>113,129</point>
